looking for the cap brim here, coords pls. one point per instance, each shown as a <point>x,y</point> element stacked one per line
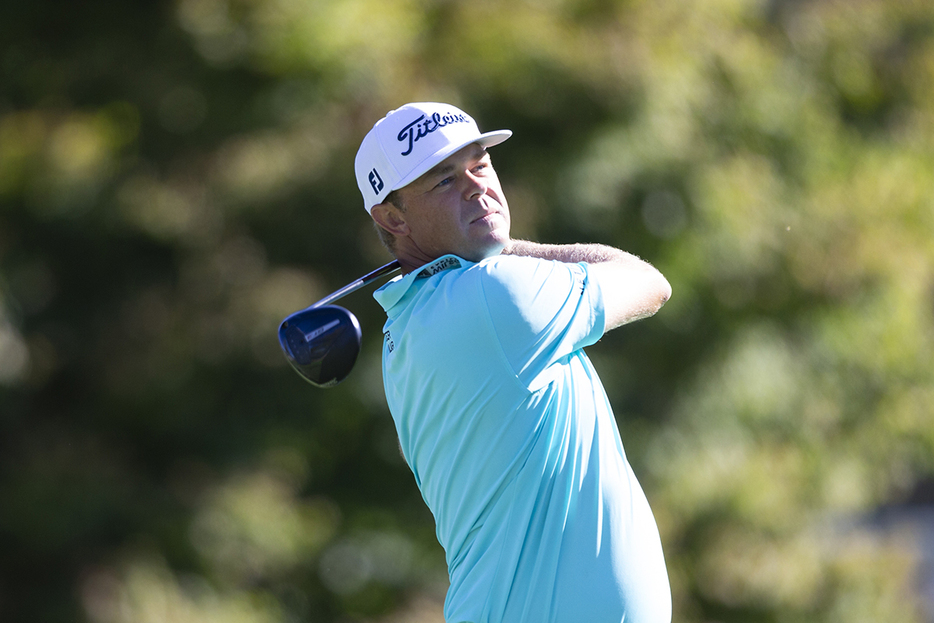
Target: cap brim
<point>487,139</point>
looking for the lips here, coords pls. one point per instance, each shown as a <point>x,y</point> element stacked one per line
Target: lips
<point>488,212</point>
<point>484,217</point>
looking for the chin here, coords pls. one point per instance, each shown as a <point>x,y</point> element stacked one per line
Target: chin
<point>491,246</point>
<point>494,250</point>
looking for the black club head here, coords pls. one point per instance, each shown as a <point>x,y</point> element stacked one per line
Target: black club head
<point>321,343</point>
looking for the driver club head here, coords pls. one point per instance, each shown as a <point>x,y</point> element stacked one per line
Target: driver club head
<point>321,343</point>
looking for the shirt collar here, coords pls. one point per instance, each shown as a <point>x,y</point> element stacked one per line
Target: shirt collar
<point>393,291</point>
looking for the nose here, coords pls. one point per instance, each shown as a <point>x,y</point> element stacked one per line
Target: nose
<point>475,186</point>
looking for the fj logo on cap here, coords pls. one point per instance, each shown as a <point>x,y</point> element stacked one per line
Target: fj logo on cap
<point>375,181</point>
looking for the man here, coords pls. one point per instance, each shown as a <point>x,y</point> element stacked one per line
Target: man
<point>500,414</point>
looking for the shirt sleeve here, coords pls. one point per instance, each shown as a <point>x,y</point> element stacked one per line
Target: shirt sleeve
<point>541,312</point>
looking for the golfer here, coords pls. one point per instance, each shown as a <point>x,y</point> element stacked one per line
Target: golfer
<point>499,412</point>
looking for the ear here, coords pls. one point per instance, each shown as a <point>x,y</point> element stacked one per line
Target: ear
<point>390,218</point>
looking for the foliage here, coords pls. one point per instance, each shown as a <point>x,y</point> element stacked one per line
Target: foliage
<point>175,177</point>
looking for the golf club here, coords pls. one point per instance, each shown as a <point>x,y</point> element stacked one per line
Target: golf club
<point>322,342</point>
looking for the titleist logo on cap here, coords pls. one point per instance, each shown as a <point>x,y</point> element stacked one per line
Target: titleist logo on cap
<point>422,127</point>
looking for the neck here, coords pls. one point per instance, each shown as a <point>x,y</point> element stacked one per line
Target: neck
<point>410,256</point>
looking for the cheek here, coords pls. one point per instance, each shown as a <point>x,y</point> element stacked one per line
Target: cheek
<point>440,230</point>
<point>497,192</point>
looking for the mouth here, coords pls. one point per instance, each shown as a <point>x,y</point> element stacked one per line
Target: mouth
<point>485,218</point>
<point>489,212</point>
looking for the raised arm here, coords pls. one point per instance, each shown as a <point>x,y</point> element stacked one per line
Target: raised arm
<point>632,288</point>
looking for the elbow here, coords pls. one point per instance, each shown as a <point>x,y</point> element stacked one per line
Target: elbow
<point>662,292</point>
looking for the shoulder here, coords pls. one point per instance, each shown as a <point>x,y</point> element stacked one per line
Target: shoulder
<point>508,267</point>
<point>532,303</point>
<point>526,280</point>
<point>526,270</point>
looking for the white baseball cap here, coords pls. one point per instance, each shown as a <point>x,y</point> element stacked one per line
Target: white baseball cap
<point>411,140</point>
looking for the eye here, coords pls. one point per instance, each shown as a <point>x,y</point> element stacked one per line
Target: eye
<point>482,166</point>
<point>446,181</point>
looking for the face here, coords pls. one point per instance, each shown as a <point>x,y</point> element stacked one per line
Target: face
<point>457,207</point>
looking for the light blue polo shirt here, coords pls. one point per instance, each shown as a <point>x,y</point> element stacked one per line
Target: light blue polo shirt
<point>514,446</point>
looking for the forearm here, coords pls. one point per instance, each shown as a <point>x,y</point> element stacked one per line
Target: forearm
<point>572,253</point>
<point>632,288</point>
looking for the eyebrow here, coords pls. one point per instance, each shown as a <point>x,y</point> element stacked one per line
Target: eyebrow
<point>444,169</point>
<point>441,169</point>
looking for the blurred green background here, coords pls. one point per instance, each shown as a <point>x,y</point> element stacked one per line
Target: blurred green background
<point>176,177</point>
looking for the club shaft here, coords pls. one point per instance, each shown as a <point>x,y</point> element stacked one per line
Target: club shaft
<point>387,269</point>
